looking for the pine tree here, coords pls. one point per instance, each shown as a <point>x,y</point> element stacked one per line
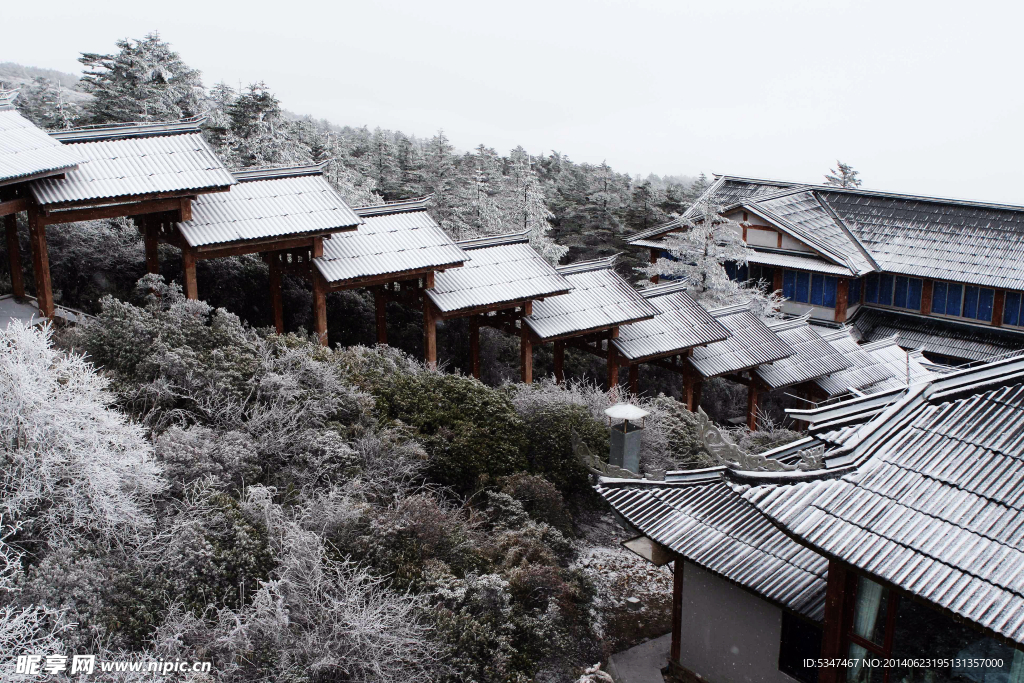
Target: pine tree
<point>145,81</point>
<point>257,129</point>
<point>483,193</point>
<point>844,177</point>
<point>442,181</point>
<point>382,162</point>
<point>45,104</point>
<point>643,209</point>
<point>523,203</point>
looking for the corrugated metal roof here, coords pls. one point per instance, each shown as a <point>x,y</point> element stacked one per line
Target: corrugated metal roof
<point>137,166</point>
<point>938,336</point>
<point>906,367</point>
<point>786,260</point>
<point>121,131</point>
<point>599,299</point>
<point>270,207</point>
<point>680,324</point>
<point>26,151</point>
<point>936,503</point>
<point>864,371</point>
<point>813,356</point>
<point>712,526</point>
<point>750,344</point>
<point>730,191</point>
<point>386,244</point>
<point>509,271</point>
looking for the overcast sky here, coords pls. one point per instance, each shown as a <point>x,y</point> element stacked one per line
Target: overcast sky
<point>919,97</point>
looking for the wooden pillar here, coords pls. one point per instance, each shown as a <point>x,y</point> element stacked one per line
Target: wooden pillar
<point>526,346</point>
<point>997,308</point>
<point>777,279</point>
<point>149,236</point>
<point>842,299</point>
<point>926,297</point>
<point>188,265</point>
<point>14,255</point>
<point>691,388</point>
<point>634,379</point>
<point>655,255</point>
<point>753,391</point>
<point>429,333</point>
<point>40,262</point>
<point>560,362</point>
<point>613,366</point>
<point>835,611</point>
<point>320,307</point>
<point>474,344</point>
<point>274,262</point>
<point>380,305</point>
<point>677,611</point>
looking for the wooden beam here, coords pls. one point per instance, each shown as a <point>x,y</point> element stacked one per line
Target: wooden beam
<point>14,256</point>
<point>40,262</point>
<point>129,200</point>
<point>150,235</point>
<point>253,247</point>
<point>677,611</point>
<point>111,211</point>
<point>320,308</point>
<point>429,333</point>
<point>379,280</point>
<point>380,307</point>
<point>13,206</point>
<point>842,299</point>
<point>274,262</point>
<point>692,384</point>
<point>188,266</point>
<point>559,362</point>
<point>185,209</point>
<point>318,246</point>
<point>474,345</point>
<point>753,393</point>
<point>526,354</point>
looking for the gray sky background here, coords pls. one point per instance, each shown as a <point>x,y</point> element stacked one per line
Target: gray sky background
<point>920,97</point>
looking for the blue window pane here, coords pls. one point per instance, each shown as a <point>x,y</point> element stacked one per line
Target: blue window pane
<point>985,298</point>
<point>939,298</point>
<point>971,302</point>
<point>954,299</point>
<point>914,294</point>
<point>829,296</point>
<point>803,286</point>
<point>817,289</point>
<point>1011,308</point>
<point>900,295</point>
<point>789,284</point>
<point>885,290</point>
<point>871,289</point>
<point>853,294</point>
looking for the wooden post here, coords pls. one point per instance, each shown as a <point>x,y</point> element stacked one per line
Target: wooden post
<point>40,262</point>
<point>832,633</point>
<point>677,611</point>
<point>14,255</point>
<point>634,379</point>
<point>320,307</point>
<point>429,333</point>
<point>559,362</point>
<point>842,299</point>
<point>752,396</point>
<point>691,388</point>
<point>188,265</point>
<point>927,292</point>
<point>526,346</point>
<point>149,233</point>
<point>997,308</point>
<point>474,344</point>
<point>380,305</point>
<point>274,262</point>
<point>655,255</point>
<point>777,279</point>
<point>613,366</point>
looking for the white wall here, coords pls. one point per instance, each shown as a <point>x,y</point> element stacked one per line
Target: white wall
<point>817,312</point>
<point>729,634</point>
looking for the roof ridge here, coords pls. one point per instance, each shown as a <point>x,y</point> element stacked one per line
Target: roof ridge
<point>663,289</point>
<point>787,226</point>
<point>400,206</point>
<point>894,338</point>
<point>779,325</point>
<point>657,230</point>
<point>586,266</point>
<point>120,131</point>
<point>849,233</point>
<point>729,309</point>
<point>494,240</point>
<point>275,172</point>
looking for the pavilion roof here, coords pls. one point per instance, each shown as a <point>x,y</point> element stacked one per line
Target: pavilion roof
<point>750,344</point>
<point>680,324</point>
<point>865,369</point>
<point>27,152</point>
<point>813,357</point>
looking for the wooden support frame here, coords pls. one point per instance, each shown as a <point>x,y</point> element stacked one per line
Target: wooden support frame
<point>380,310</point>
<point>14,256</point>
<point>188,267</point>
<point>151,238</point>
<point>40,262</point>
<point>178,205</point>
<point>559,359</point>
<point>692,385</point>
<point>835,613</point>
<point>655,255</point>
<point>320,308</point>
<point>474,345</point>
<point>753,396</point>
<point>274,264</point>
<point>842,300</point>
<point>13,206</point>
<point>613,366</point>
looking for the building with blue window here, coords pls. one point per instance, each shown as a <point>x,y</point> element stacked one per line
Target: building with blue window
<point>946,275</point>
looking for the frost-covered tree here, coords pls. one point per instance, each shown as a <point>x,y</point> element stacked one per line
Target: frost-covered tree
<point>46,104</point>
<point>522,200</point>
<point>441,179</point>
<point>257,129</point>
<point>382,162</point>
<point>845,176</point>
<point>145,81</point>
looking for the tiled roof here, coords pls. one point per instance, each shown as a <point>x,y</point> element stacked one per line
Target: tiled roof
<point>710,525</point>
<point>395,238</point>
<point>813,356</point>
<point>271,203</point>
<point>935,504</point>
<point>730,191</point>
<point>122,162</point>
<point>681,323</point>
<point>503,269</point>
<point>780,259</point>
<point>26,151</point>
<point>938,336</point>
<point>865,369</point>
<point>599,299</point>
<point>906,366</point>
<point>750,344</point>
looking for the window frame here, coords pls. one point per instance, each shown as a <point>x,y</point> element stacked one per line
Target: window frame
<point>888,285</point>
<point>978,293</point>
